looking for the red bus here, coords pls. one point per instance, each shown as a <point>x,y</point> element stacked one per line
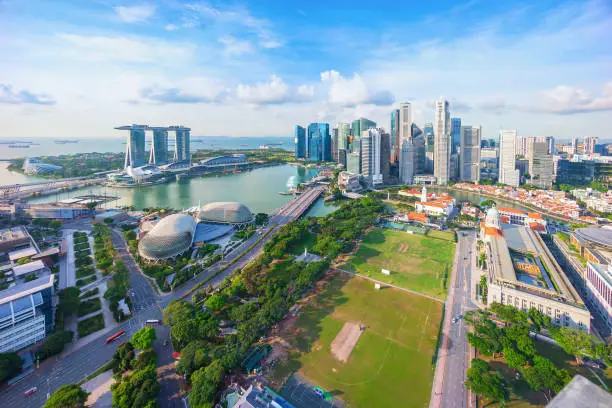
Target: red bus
<point>115,336</point>
<point>30,392</point>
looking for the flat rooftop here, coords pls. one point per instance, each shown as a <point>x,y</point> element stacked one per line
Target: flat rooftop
<point>26,288</point>
<point>13,234</point>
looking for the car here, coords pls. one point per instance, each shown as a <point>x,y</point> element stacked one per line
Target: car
<point>458,316</point>
<point>454,320</point>
<point>30,391</point>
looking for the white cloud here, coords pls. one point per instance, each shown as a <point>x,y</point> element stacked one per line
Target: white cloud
<point>569,100</point>
<point>135,14</point>
<point>170,27</point>
<point>353,91</point>
<point>132,49</point>
<point>275,91</point>
<point>235,47</point>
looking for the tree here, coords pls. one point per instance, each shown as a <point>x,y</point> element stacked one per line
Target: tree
<point>54,344</point>
<point>184,332</point>
<point>130,235</point>
<point>261,218</point>
<point>145,359</point>
<point>108,221</point>
<point>543,376</point>
<point>204,385</point>
<point>122,359</point>
<point>69,300</point>
<point>144,338</point>
<point>540,320</point>
<point>10,365</point>
<point>178,310</point>
<point>482,382</point>
<point>193,357</point>
<point>509,314</point>
<point>23,261</point>
<point>92,205</point>
<point>137,390</point>
<point>216,302</point>
<point>575,342</point>
<point>67,396</point>
<point>55,224</point>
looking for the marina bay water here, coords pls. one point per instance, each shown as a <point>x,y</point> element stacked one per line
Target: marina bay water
<point>258,189</point>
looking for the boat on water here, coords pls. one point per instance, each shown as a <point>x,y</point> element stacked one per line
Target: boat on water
<point>19,146</point>
<point>292,191</point>
<point>243,145</point>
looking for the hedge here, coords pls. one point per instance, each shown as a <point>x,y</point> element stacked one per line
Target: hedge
<point>90,293</point>
<point>89,306</point>
<point>90,325</point>
<point>85,271</point>
<point>85,281</point>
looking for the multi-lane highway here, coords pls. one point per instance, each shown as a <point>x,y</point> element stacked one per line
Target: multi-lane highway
<point>453,356</point>
<point>73,367</point>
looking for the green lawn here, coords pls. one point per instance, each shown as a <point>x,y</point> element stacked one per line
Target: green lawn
<point>392,360</point>
<point>417,262</point>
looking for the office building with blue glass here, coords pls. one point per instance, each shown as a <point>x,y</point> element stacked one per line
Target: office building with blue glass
<point>301,148</point>
<point>319,142</point>
<point>455,134</point>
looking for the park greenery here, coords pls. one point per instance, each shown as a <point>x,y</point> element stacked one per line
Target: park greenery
<point>118,289</point>
<point>10,366</point>
<point>104,251</point>
<point>90,325</point>
<point>137,388</point>
<point>257,297</point>
<point>513,342</point>
<point>89,306</point>
<point>76,165</point>
<point>67,396</point>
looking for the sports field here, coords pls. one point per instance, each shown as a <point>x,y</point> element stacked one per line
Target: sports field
<point>416,262</point>
<point>391,362</point>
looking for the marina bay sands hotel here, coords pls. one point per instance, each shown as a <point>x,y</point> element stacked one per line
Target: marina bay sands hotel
<point>135,154</point>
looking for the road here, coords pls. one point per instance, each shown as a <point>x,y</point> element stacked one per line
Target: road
<point>453,356</point>
<point>73,367</point>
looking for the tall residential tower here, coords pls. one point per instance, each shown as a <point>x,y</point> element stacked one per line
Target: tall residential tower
<point>508,173</point>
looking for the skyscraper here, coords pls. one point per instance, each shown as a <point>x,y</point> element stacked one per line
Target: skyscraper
<point>589,145</point>
<point>135,146</point>
<point>361,124</point>
<point>319,142</point>
<point>540,165</point>
<point>182,149</point>
<point>523,144</point>
<point>300,142</point>
<point>344,131</point>
<point>574,145</point>
<point>385,153</point>
<point>334,143</point>
<point>469,160</point>
<point>455,134</point>
<point>508,173</point>
<point>159,147</point>
<point>442,142</point>
<point>420,151</point>
<point>371,155</point>
<point>406,154</point>
<point>395,135</point>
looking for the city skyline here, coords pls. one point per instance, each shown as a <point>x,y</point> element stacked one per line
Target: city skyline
<point>132,61</point>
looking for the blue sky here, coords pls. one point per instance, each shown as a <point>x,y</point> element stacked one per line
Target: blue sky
<point>79,68</point>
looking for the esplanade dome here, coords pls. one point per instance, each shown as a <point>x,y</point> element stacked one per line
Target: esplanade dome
<point>172,236</point>
<point>225,213</point>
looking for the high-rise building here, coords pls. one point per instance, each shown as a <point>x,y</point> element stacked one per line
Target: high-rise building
<point>420,151</point>
<point>540,165</point>
<point>353,163</point>
<point>135,146</point>
<point>589,145</point>
<point>319,142</point>
<point>395,135</point>
<point>334,143</point>
<point>442,142</point>
<point>574,145</point>
<point>406,154</point>
<point>182,148</point>
<point>469,161</point>
<point>508,173</point>
<point>301,149</point>
<point>385,153</point>
<point>344,131</point>
<point>361,124</point>
<point>342,157</point>
<point>523,144</point>
<point>371,150</point>
<point>453,168</point>
<point>455,134</point>
<point>159,147</point>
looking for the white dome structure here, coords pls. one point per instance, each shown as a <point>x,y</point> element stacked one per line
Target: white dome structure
<point>172,236</point>
<point>233,213</point>
<point>492,218</point>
